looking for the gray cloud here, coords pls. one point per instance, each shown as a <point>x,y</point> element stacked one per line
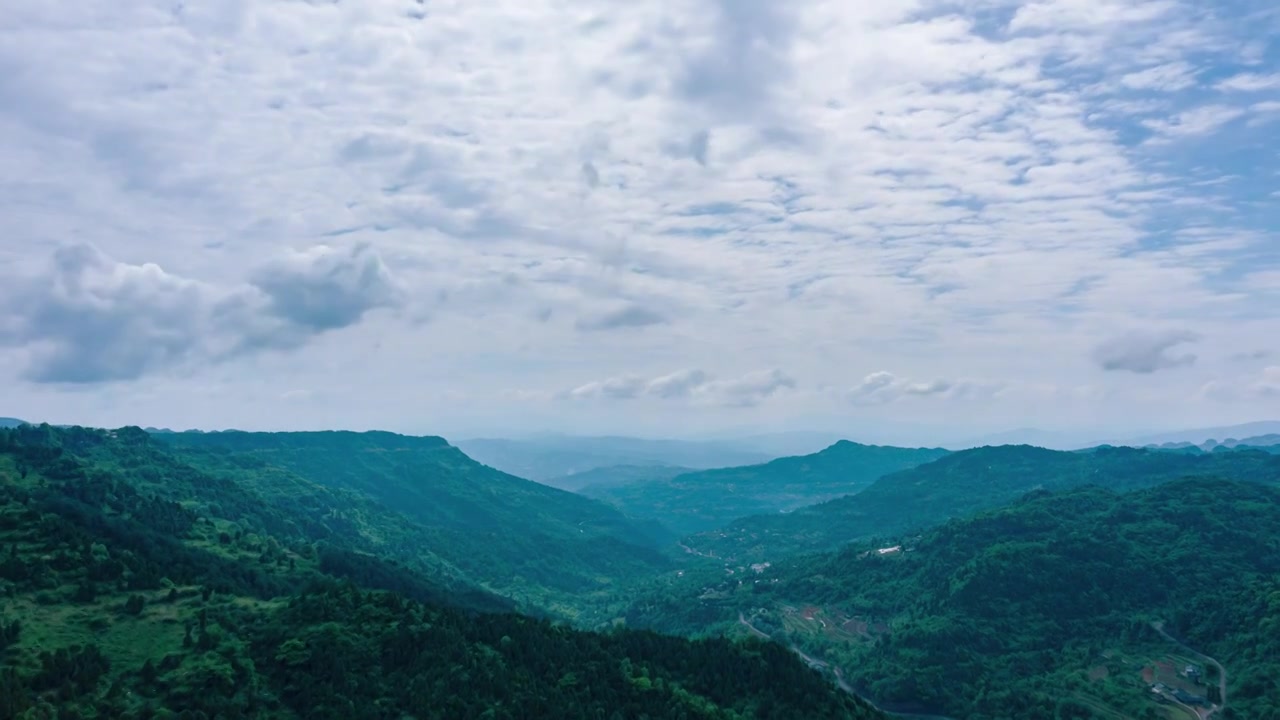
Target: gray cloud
<point>699,144</point>
<point>324,289</point>
<point>590,174</point>
<point>91,319</point>
<point>737,72</point>
<point>1145,352</point>
<point>629,316</point>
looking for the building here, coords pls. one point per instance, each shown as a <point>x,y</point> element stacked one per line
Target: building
<point>1187,698</point>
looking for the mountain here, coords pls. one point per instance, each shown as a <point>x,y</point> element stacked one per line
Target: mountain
<point>549,459</point>
<point>1052,607</point>
<point>137,586</point>
<point>1269,443</point>
<point>1053,440</point>
<point>1199,436</point>
<point>697,501</point>
<point>543,546</point>
<point>962,483</point>
<point>614,475</point>
<point>8,422</point>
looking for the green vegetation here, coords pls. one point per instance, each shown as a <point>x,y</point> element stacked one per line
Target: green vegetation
<point>963,483</point>
<point>697,501</point>
<point>593,480</point>
<point>1041,609</point>
<point>135,585</point>
<point>545,547</point>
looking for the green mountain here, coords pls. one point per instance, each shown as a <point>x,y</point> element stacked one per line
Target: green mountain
<point>962,483</point>
<point>136,585</point>
<point>8,422</point>
<point>593,480</point>
<point>1051,607</point>
<point>698,501</point>
<point>550,459</point>
<point>545,547</point>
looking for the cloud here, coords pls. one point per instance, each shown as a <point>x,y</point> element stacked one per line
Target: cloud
<point>90,319</point>
<point>746,390</point>
<point>1249,82</point>
<point>819,185</point>
<point>1145,352</point>
<point>325,289</point>
<point>1168,77</point>
<point>884,387</point>
<point>733,67</point>
<point>1269,384</point>
<point>750,389</point>
<point>1193,122</point>
<point>628,316</point>
<point>619,388</point>
<point>87,318</point>
<point>677,384</point>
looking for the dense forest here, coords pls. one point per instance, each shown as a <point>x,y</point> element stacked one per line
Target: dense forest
<point>702,500</point>
<point>546,547</point>
<point>1044,608</point>
<point>134,585</point>
<point>962,483</point>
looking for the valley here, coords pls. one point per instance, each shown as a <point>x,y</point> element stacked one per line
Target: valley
<point>977,584</point>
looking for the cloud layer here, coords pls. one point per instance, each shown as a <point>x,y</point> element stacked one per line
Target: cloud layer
<point>407,216</point>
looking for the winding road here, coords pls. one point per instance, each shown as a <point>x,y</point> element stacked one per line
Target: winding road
<point>821,665</point>
<point>1222,671</point>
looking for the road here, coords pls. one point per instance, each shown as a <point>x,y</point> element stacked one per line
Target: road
<point>1158,626</point>
<point>820,665</point>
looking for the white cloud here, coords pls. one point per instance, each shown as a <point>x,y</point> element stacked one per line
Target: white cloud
<point>1249,82</point>
<point>1194,122</point>
<point>746,390</point>
<point>933,186</point>
<point>1168,77</point>
<point>885,387</point>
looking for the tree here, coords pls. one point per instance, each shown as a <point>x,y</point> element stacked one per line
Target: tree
<point>134,605</point>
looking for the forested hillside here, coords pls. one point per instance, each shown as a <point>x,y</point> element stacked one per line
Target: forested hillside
<point>697,501</point>
<point>135,586</point>
<point>544,546</point>
<point>963,483</point>
<point>1042,609</point>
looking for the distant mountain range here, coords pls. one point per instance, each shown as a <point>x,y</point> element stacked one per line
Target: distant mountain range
<point>963,483</point>
<point>706,499</point>
<point>551,459</point>
<point>1201,435</point>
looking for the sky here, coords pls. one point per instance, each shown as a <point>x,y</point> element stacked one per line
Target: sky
<point>666,218</point>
